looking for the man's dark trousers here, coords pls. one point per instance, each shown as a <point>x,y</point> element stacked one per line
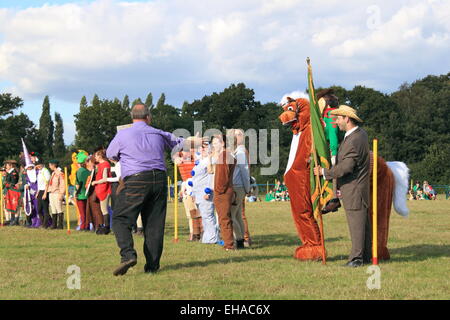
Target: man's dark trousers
<point>144,193</point>
<point>43,208</point>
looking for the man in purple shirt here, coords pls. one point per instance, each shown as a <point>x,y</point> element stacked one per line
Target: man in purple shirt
<point>140,150</point>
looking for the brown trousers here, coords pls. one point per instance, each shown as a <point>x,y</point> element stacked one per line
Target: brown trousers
<point>222,202</point>
<point>94,213</point>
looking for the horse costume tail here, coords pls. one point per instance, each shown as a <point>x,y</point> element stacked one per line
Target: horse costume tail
<point>401,177</point>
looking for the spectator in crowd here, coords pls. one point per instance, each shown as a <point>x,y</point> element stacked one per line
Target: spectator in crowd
<point>241,184</point>
<point>103,187</point>
<point>416,190</point>
<point>81,178</point>
<point>56,190</point>
<point>428,191</point>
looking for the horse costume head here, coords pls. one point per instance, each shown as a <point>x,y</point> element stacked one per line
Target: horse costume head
<point>295,114</point>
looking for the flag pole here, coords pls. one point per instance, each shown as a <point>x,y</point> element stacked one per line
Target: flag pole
<point>320,212</point>
<point>374,204</point>
<point>67,200</point>
<point>175,194</point>
<point>313,147</point>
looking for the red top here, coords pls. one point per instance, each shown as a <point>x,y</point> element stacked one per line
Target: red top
<point>103,189</point>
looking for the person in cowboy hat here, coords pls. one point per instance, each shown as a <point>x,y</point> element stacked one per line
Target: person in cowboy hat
<point>352,173</point>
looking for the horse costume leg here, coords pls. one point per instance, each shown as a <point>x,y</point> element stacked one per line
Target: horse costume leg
<point>385,191</point>
<point>298,184</point>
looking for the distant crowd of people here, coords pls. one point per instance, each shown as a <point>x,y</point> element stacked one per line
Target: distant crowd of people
<point>34,191</point>
<point>278,193</point>
<point>422,192</point>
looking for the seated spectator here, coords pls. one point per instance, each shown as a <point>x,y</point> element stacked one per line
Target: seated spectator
<point>270,197</point>
<point>420,195</point>
<point>416,188</point>
<point>411,194</point>
<point>428,191</point>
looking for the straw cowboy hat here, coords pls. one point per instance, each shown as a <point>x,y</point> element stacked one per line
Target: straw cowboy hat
<point>344,110</point>
<point>10,161</point>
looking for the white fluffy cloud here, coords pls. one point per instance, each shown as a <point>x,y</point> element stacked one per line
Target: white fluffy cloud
<point>188,48</point>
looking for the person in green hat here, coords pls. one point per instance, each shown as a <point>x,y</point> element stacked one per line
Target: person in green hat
<point>82,176</point>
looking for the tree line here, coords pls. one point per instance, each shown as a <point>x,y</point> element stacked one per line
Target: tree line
<point>411,124</point>
<point>47,140</point>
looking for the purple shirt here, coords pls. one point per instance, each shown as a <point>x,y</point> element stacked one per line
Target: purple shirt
<point>141,148</point>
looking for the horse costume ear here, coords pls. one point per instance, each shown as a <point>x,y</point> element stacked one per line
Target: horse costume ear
<point>289,99</point>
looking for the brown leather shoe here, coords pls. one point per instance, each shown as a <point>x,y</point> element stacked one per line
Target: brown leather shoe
<point>123,267</point>
<point>331,206</point>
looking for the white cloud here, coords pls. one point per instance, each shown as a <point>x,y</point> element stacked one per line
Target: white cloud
<point>188,48</point>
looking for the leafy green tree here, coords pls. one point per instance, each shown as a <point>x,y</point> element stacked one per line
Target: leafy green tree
<point>161,101</point>
<point>136,101</point>
<point>83,102</point>
<point>149,101</point>
<point>14,128</point>
<point>126,103</point>
<point>59,147</point>
<point>433,167</point>
<point>8,104</point>
<point>46,128</point>
<point>96,124</point>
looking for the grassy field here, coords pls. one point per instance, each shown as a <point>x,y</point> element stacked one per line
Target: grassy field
<point>34,263</point>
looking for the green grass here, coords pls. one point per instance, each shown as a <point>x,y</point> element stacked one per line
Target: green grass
<point>33,263</point>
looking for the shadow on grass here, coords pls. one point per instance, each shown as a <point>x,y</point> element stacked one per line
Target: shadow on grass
<point>419,252</point>
<point>230,259</point>
<point>281,239</point>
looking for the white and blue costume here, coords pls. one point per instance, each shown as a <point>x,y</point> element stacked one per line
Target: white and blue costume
<point>202,185</point>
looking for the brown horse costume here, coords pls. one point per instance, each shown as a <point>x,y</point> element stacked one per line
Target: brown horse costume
<point>392,176</point>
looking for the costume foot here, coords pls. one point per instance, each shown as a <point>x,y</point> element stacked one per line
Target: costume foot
<point>304,253</point>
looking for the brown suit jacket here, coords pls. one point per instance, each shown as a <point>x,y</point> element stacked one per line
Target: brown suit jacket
<point>352,170</point>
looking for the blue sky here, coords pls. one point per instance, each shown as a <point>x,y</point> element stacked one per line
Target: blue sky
<point>191,48</point>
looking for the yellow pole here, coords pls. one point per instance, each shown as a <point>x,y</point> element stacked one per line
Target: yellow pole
<point>374,205</point>
<point>175,194</point>
<point>267,187</point>
<point>1,201</point>
<point>67,200</point>
<point>168,188</point>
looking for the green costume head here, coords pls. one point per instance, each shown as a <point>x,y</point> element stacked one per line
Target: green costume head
<point>81,157</point>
